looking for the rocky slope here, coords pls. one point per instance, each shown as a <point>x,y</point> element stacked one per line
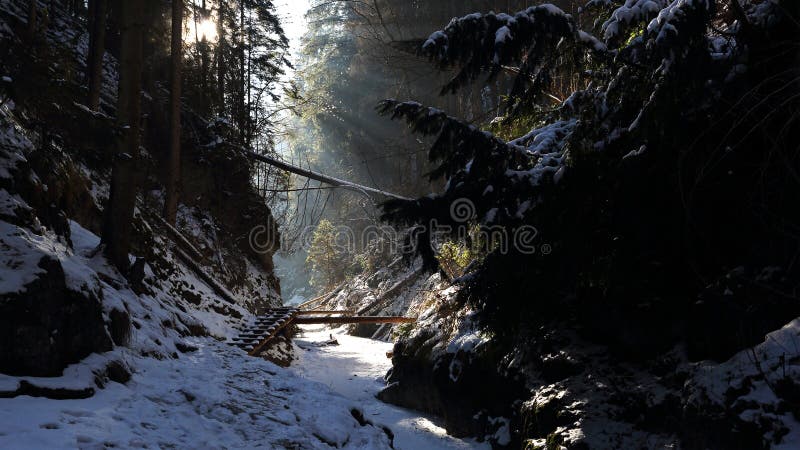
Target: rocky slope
<point>89,357</point>
<point>442,364</point>
<point>558,386</point>
<point>54,171</point>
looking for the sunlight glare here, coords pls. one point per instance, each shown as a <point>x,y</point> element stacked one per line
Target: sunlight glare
<point>207,28</point>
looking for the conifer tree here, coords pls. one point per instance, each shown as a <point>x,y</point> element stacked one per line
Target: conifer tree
<point>616,160</point>
<point>94,59</point>
<point>174,160</point>
<point>33,12</point>
<point>119,208</point>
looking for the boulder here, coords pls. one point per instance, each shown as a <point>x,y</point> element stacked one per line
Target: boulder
<point>49,326</point>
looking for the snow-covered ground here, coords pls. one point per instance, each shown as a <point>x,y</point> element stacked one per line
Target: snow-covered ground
<point>185,392</point>
<point>214,397</point>
<point>217,397</point>
<point>355,369</point>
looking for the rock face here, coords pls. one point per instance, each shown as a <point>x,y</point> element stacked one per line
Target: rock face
<point>411,381</point>
<point>441,364</point>
<point>469,391</point>
<point>554,387</point>
<point>65,312</point>
<point>49,326</point>
<point>219,202</point>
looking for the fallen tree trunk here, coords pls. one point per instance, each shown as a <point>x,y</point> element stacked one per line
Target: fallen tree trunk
<point>322,298</point>
<point>321,177</point>
<point>391,292</point>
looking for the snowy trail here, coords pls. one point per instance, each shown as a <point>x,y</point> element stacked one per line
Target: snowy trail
<point>212,398</point>
<point>355,369</point>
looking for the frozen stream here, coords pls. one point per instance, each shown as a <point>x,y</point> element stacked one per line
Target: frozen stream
<point>355,369</point>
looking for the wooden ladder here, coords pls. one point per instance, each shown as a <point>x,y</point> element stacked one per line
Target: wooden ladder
<point>256,335</point>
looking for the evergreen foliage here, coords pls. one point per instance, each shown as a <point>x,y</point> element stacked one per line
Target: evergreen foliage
<point>355,54</point>
<point>236,77</point>
<point>677,141</point>
<point>325,257</point>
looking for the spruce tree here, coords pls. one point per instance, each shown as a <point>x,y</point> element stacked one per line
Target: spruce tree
<point>643,146</point>
<point>117,227</point>
<point>174,160</point>
<point>94,59</point>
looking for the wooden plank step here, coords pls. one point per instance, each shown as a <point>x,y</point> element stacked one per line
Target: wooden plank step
<point>257,330</point>
<point>255,324</point>
<point>253,333</point>
<point>262,322</point>
<point>245,345</point>
<point>258,348</point>
<point>260,329</point>
<point>323,311</point>
<point>252,337</point>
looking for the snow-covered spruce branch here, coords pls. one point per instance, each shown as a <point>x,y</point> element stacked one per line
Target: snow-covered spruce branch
<point>496,176</point>
<point>448,150</point>
<point>657,59</point>
<point>481,43</point>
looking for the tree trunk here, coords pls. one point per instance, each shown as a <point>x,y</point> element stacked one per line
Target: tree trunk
<point>249,89</point>
<point>203,46</point>
<point>94,58</point>
<point>221,43</point>
<point>174,164</point>
<point>32,13</point>
<point>76,8</point>
<point>117,227</point>
<point>244,113</point>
